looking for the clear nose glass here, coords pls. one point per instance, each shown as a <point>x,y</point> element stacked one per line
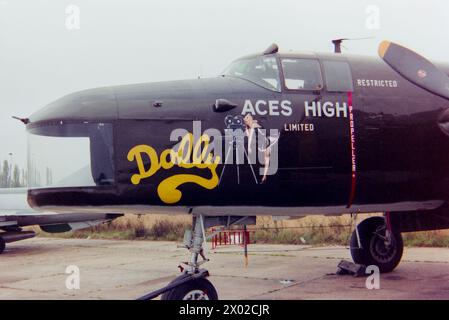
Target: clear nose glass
<point>70,155</point>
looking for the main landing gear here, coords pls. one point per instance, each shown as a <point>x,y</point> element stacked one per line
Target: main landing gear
<point>374,243</point>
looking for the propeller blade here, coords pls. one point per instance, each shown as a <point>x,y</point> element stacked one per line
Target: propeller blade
<point>415,68</point>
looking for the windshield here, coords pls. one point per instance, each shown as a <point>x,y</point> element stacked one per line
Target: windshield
<point>262,70</point>
<point>70,155</point>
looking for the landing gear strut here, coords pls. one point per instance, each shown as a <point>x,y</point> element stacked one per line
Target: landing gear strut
<point>374,243</point>
<point>192,283</point>
<point>195,285</point>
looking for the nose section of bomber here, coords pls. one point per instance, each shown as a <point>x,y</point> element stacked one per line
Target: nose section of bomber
<point>70,151</point>
<point>94,104</point>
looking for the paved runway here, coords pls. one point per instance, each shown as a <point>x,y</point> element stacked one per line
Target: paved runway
<point>118,269</point>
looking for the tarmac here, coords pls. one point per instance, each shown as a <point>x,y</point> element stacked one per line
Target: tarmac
<point>119,269</point>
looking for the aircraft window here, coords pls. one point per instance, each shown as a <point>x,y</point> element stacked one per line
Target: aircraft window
<point>338,76</point>
<point>261,70</point>
<point>70,155</point>
<point>302,74</point>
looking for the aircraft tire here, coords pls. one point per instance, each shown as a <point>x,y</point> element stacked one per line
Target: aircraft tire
<point>374,251</point>
<point>196,289</point>
<point>2,245</point>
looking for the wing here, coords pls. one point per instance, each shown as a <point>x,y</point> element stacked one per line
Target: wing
<point>15,213</point>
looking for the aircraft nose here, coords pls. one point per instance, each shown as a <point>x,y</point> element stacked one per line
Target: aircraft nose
<point>88,105</point>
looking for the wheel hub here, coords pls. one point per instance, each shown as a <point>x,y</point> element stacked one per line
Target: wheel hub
<point>382,250</point>
<point>196,295</point>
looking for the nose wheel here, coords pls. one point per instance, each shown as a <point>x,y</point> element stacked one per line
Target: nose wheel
<point>373,244</point>
<point>194,289</point>
<point>192,283</point>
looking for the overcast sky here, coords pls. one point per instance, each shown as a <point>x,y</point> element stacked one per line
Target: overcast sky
<point>130,41</point>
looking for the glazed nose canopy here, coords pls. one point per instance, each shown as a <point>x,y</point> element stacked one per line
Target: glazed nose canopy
<point>62,154</point>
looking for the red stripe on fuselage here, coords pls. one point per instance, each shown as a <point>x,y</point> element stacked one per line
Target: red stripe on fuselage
<point>352,145</point>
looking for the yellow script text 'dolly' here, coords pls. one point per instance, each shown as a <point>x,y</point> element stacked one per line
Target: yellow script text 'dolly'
<point>188,155</point>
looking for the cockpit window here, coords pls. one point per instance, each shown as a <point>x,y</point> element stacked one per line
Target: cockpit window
<point>338,76</point>
<point>70,155</point>
<point>262,70</point>
<point>302,74</point>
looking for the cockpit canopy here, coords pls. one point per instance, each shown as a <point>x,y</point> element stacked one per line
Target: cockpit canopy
<point>293,72</point>
<point>261,70</point>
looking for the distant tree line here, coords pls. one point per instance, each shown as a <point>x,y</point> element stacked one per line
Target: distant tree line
<point>12,176</point>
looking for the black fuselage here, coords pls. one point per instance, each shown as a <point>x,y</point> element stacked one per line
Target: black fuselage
<point>375,144</point>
